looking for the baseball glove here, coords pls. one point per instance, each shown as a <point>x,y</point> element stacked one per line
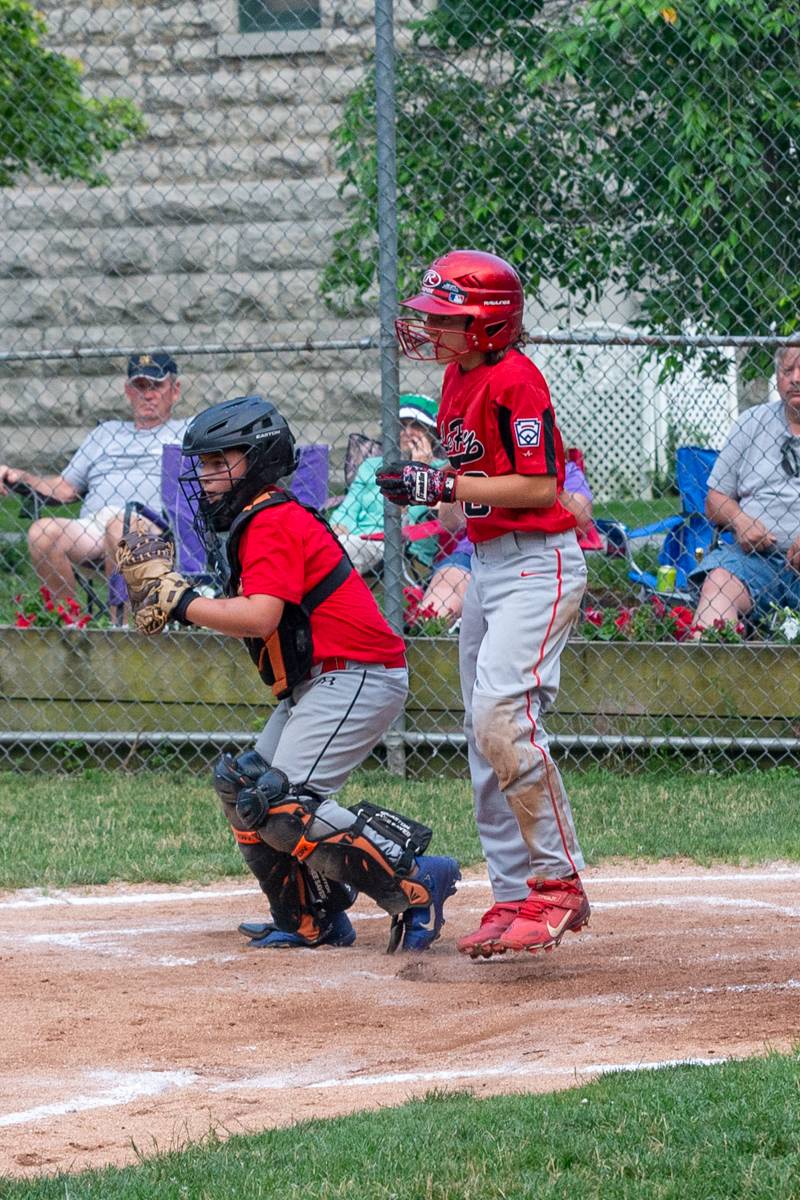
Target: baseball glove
<point>145,561</point>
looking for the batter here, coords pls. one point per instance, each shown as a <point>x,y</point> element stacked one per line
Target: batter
<point>498,428</point>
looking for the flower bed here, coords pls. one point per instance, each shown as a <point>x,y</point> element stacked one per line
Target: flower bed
<point>41,610</point>
<point>84,680</point>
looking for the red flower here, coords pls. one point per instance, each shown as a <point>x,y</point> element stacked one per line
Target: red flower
<point>624,618</point>
<point>22,621</point>
<point>66,617</point>
<point>83,621</point>
<point>659,607</point>
<point>683,620</point>
<point>73,605</point>
<point>594,616</point>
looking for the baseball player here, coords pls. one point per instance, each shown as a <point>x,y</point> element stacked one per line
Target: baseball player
<point>339,673</point>
<point>497,425</point>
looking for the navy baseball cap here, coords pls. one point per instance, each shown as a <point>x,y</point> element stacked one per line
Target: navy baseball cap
<point>151,366</point>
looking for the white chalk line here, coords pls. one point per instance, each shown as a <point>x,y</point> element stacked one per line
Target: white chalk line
<point>75,900</point>
<point>106,939</point>
<point>35,899</point>
<point>127,1088</point>
<point>510,1071</point>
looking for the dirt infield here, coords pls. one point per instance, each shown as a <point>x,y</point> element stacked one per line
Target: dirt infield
<point>138,1017</point>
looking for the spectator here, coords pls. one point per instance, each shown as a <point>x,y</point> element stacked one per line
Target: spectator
<point>445,592</point>
<point>117,462</point>
<point>361,511</point>
<point>754,491</point>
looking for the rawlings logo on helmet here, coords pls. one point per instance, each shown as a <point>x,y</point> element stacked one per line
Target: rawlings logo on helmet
<point>431,278</point>
<point>444,289</point>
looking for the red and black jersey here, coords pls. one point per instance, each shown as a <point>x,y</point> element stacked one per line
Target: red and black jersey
<point>285,552</point>
<point>499,420</point>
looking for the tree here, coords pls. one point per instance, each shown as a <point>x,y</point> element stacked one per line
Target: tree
<point>619,144</point>
<point>46,121</point>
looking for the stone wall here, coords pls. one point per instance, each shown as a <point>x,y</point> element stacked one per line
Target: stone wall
<point>213,229</point>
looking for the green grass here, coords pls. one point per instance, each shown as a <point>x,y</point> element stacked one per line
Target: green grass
<point>100,826</point>
<point>634,513</point>
<point>16,574</point>
<point>12,522</point>
<point>681,1133</point>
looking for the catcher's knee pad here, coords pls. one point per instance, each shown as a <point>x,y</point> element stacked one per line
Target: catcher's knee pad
<point>233,775</point>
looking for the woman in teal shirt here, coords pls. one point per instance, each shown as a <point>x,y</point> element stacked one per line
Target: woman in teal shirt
<point>361,511</point>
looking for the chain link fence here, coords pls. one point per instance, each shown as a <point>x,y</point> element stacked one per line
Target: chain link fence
<point>248,186</point>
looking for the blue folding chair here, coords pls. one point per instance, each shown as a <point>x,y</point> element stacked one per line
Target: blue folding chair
<point>689,535</point>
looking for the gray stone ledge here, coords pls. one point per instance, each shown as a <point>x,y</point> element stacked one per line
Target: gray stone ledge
<point>273,45</point>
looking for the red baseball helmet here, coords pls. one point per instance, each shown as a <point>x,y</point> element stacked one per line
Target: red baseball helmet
<point>467,283</point>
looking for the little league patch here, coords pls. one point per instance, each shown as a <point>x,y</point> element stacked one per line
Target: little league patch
<point>528,432</point>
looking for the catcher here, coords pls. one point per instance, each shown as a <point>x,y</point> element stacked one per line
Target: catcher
<point>337,670</point>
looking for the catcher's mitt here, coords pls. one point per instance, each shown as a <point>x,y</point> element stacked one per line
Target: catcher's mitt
<point>145,561</point>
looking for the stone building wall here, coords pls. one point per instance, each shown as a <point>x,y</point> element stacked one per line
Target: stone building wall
<point>213,230</point>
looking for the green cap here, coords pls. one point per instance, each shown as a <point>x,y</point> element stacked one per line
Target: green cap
<point>421,409</point>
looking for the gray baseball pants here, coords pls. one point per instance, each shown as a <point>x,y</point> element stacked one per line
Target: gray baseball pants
<point>327,728</point>
<point>523,597</point>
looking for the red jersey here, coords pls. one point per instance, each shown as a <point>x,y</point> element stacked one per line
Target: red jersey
<point>499,420</point>
<point>285,552</point>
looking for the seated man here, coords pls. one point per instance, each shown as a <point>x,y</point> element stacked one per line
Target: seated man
<point>754,490</point>
<point>445,592</point>
<point>117,462</point>
<point>361,511</point>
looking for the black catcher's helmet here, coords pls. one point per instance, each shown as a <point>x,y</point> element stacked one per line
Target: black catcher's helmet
<point>255,425</point>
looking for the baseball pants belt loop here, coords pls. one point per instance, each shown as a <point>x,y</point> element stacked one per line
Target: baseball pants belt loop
<point>530,537</point>
<point>329,664</point>
<point>350,664</point>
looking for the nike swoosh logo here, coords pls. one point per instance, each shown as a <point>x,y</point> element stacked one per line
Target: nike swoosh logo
<point>528,574</point>
<point>560,927</point>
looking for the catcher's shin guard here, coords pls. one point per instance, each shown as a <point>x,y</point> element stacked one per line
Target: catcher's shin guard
<point>374,855</point>
<point>301,901</point>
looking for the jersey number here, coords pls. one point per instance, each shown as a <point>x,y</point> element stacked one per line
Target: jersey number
<point>470,508</point>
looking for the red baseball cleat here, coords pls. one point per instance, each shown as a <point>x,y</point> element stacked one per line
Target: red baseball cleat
<point>552,907</point>
<point>493,923</point>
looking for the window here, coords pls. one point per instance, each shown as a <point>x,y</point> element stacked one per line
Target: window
<point>277,16</point>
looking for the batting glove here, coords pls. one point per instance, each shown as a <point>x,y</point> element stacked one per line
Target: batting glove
<point>416,483</point>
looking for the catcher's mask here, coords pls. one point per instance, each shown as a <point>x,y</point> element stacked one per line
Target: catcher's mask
<point>252,425</point>
<point>464,283</point>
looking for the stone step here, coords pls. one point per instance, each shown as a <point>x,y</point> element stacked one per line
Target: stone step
<point>133,250</point>
<point>154,205</point>
<point>160,300</point>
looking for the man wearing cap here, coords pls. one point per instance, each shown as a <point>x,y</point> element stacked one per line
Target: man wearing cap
<point>361,511</point>
<point>117,462</point>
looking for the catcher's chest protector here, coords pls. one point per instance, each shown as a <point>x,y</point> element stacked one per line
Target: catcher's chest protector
<point>284,659</point>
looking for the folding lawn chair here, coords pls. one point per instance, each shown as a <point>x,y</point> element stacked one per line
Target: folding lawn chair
<point>32,504</point>
<point>689,534</point>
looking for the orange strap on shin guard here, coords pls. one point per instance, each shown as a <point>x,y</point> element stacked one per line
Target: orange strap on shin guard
<point>246,837</point>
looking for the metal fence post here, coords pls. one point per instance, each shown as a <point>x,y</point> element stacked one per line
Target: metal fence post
<point>387,306</point>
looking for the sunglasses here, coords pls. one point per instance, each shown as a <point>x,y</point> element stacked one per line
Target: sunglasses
<point>790,457</point>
